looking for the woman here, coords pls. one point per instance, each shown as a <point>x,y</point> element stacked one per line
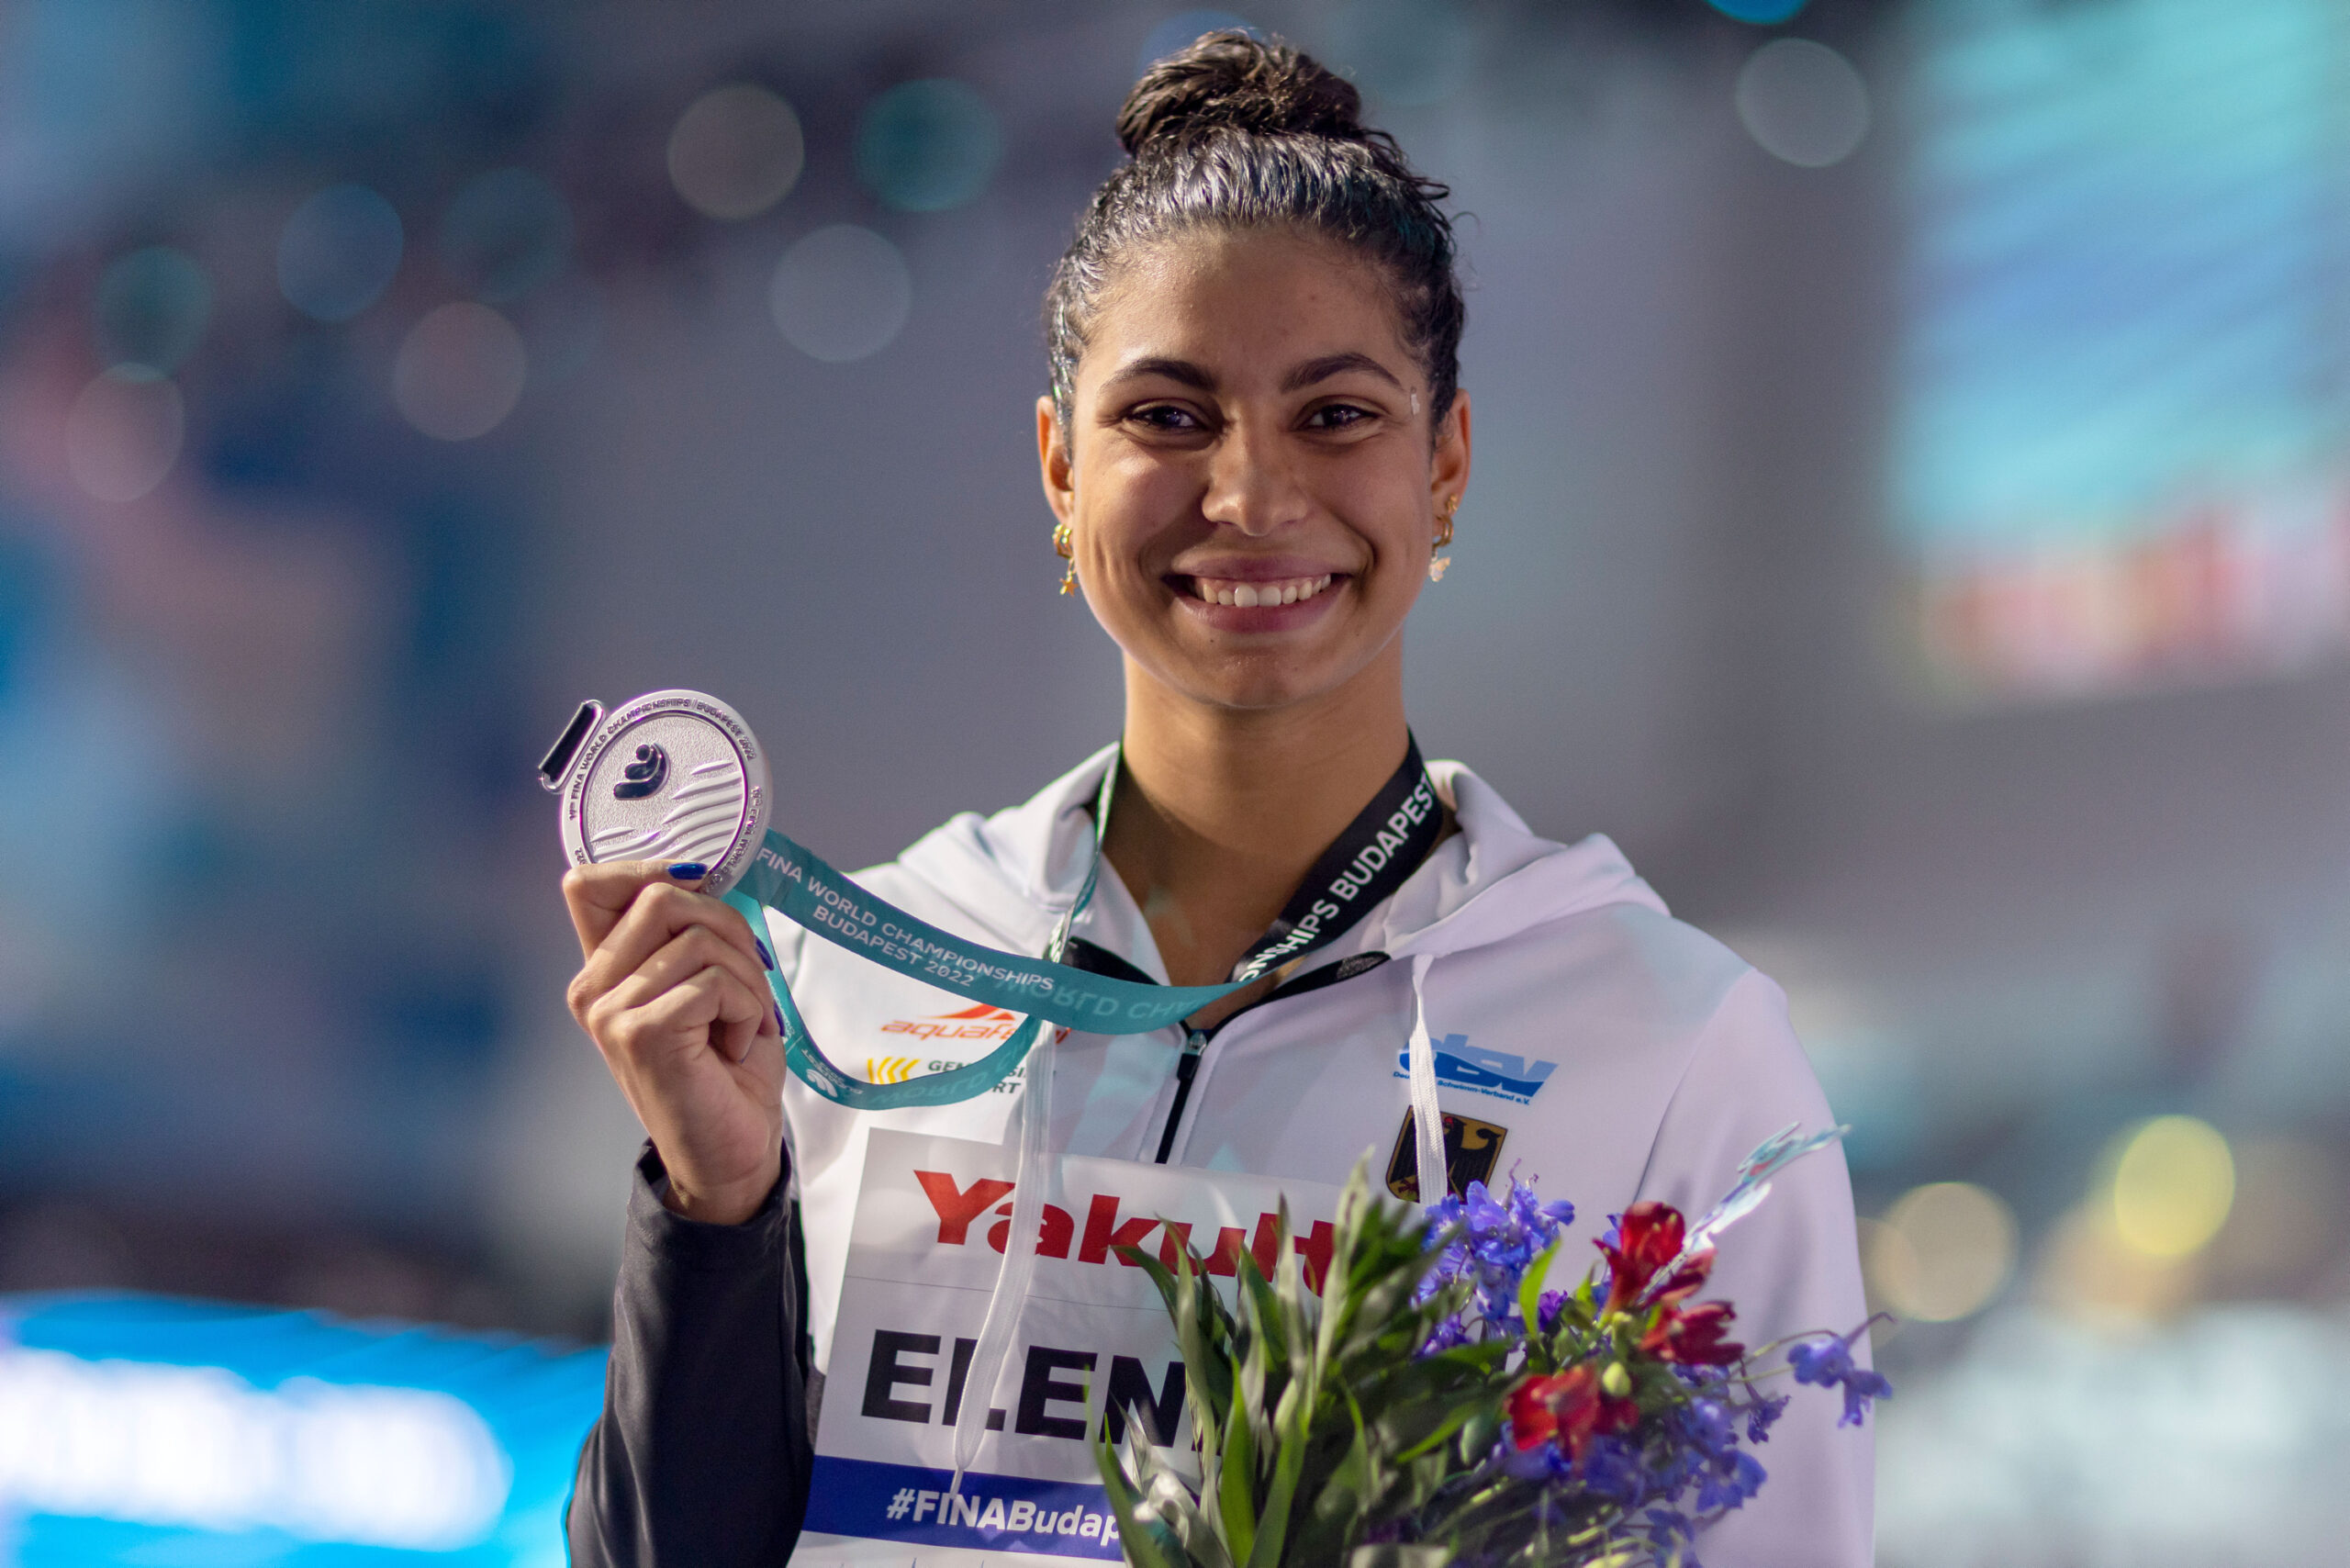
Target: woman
<point>1254,446</point>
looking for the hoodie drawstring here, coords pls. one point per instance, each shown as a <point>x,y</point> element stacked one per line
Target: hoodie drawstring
<point>1427,1120</point>
<point>1035,1111</point>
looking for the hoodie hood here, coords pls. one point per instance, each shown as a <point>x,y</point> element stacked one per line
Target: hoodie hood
<point>1016,873</point>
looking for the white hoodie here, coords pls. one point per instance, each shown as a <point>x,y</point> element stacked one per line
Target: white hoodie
<point>1622,1055</point>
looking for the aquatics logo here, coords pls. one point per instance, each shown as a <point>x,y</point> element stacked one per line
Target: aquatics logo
<point>988,1026</point>
<point>980,1023</point>
<point>1461,1064</point>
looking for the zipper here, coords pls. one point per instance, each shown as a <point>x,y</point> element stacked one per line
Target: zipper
<point>1187,1067</point>
<point>1195,1041</point>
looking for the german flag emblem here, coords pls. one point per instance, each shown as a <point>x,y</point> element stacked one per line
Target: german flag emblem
<point>1471,1149</point>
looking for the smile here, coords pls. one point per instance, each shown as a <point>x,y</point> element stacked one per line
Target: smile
<point>1251,595</point>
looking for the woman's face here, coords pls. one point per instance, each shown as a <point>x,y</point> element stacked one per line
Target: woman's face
<point>1249,474</point>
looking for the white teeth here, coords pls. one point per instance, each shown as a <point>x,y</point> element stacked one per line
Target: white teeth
<point>1249,596</point>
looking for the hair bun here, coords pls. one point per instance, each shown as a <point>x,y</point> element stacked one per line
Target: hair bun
<point>1232,81</point>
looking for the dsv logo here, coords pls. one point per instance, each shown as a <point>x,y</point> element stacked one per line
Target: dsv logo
<point>644,776</point>
<point>1499,1073</point>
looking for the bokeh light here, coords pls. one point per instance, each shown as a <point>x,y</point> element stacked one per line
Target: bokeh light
<point>1942,1252</point>
<point>151,308</point>
<point>338,252</point>
<point>459,372</point>
<point>1406,51</point>
<point>2173,1181</point>
<point>200,1447</point>
<point>735,151</point>
<point>1803,103</point>
<point>506,233</point>
<point>2088,1271</point>
<point>1767,13</point>
<point>124,432</point>
<point>841,293</point>
<point>927,146</point>
<point>1183,29</point>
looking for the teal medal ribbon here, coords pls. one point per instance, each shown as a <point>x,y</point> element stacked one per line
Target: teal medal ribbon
<point>1381,848</point>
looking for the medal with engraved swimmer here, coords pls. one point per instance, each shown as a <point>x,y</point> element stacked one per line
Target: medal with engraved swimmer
<point>672,775</point>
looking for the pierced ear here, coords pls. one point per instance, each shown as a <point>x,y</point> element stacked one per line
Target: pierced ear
<point>1056,464</point>
<point>1449,471</point>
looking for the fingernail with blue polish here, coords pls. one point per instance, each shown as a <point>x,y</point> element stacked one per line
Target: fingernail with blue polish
<point>765,956</point>
<point>781,1027</point>
<point>688,870</point>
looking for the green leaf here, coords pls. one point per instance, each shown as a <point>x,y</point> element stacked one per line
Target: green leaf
<point>1529,1289</point>
<point>1146,1541</point>
<point>1272,1527</point>
<point>1235,1491</point>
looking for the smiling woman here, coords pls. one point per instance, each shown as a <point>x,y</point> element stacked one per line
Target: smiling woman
<point>1252,444</point>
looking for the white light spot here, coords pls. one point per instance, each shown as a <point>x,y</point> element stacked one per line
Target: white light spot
<point>124,432</point>
<point>459,372</point>
<point>201,1449</point>
<point>1803,102</point>
<point>841,293</point>
<point>1944,1251</point>
<point>736,151</point>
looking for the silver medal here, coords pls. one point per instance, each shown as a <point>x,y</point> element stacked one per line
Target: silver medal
<point>673,776</point>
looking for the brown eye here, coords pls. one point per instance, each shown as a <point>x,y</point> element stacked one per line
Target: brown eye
<point>1337,416</point>
<point>1165,417</point>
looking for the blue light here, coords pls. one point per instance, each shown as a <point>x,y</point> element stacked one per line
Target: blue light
<point>1763,13</point>
<point>151,308</point>
<point>338,252</point>
<point>2118,456</point>
<point>927,146</point>
<point>200,1433</point>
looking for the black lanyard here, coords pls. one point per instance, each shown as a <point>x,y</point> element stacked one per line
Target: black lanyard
<point>1375,854</point>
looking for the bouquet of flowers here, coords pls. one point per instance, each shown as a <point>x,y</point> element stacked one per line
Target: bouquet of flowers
<point>1435,1406</point>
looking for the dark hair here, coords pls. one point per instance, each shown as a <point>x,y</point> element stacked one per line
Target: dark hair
<point>1240,132</point>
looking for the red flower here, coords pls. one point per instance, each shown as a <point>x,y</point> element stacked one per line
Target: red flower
<point>1648,1238</point>
<point>1568,1408</point>
<point>1692,1334</point>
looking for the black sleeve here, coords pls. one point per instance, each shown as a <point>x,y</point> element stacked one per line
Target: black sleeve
<point>702,1455</point>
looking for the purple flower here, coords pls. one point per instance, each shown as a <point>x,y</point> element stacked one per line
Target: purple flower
<point>1449,1332</point>
<point>1543,1461</point>
<point>1495,1241</point>
<point>1729,1481</point>
<point>1827,1363</point>
<point>1707,1425</point>
<point>1766,1412</point>
<point>1612,1468</point>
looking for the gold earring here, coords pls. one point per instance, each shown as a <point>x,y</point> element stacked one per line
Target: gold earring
<point>1439,564</point>
<point>1065,546</point>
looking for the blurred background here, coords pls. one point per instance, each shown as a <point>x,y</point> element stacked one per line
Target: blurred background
<point>1912,516</point>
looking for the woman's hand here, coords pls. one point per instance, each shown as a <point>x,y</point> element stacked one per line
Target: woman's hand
<point>673,993</point>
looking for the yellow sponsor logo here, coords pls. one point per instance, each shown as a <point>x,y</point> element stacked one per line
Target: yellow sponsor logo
<point>889,1070</point>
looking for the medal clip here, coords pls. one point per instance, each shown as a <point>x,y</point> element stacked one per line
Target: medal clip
<point>558,759</point>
